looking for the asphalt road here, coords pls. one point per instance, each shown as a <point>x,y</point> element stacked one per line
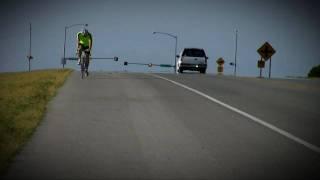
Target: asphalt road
<point>138,126</point>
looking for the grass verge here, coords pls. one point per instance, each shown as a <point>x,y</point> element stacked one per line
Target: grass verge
<point>23,100</point>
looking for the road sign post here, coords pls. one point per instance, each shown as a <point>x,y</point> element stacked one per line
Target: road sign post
<point>270,68</point>
<point>261,64</point>
<point>266,51</point>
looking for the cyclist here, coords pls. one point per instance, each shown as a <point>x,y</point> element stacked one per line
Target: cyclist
<point>84,41</point>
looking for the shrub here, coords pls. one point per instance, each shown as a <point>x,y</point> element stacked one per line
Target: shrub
<point>314,72</point>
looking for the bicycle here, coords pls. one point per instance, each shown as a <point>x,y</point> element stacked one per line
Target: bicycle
<point>84,63</point>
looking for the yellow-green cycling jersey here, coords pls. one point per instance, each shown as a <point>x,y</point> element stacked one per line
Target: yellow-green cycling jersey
<point>84,39</point>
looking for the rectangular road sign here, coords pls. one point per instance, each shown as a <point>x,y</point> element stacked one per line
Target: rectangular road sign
<point>261,64</point>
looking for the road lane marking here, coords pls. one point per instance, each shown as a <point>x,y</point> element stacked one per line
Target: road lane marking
<point>253,118</point>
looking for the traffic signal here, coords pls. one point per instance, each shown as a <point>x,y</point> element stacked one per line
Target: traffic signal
<point>125,63</point>
<point>115,58</point>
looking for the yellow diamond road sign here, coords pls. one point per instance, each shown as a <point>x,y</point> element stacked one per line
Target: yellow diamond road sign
<point>266,51</point>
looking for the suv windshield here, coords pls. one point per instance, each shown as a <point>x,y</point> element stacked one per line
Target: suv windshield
<point>194,53</point>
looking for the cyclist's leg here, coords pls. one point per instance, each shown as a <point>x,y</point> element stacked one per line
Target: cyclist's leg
<point>87,62</point>
<point>79,50</point>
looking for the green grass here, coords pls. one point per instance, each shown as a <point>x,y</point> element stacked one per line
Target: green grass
<point>23,100</point>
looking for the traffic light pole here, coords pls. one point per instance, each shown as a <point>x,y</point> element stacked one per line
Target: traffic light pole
<point>175,56</point>
<point>176,46</point>
<point>91,58</point>
<point>30,49</point>
<point>235,55</point>
<point>65,41</point>
<point>29,56</point>
<point>148,64</point>
<point>64,47</point>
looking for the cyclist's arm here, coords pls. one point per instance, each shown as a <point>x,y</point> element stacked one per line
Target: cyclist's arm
<point>90,44</point>
<point>78,44</point>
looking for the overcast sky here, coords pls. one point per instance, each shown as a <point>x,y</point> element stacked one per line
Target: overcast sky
<point>124,29</point>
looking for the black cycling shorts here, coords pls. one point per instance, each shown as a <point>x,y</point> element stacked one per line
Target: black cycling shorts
<point>83,47</point>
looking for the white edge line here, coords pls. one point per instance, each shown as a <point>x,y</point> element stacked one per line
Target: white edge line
<point>253,118</point>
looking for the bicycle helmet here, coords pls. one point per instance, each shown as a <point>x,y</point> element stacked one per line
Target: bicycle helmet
<point>85,31</point>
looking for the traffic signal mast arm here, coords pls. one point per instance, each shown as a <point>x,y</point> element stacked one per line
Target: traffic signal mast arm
<point>148,64</point>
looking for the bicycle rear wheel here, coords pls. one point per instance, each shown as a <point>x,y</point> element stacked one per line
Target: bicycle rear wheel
<point>82,65</point>
<point>86,64</point>
<point>82,73</point>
